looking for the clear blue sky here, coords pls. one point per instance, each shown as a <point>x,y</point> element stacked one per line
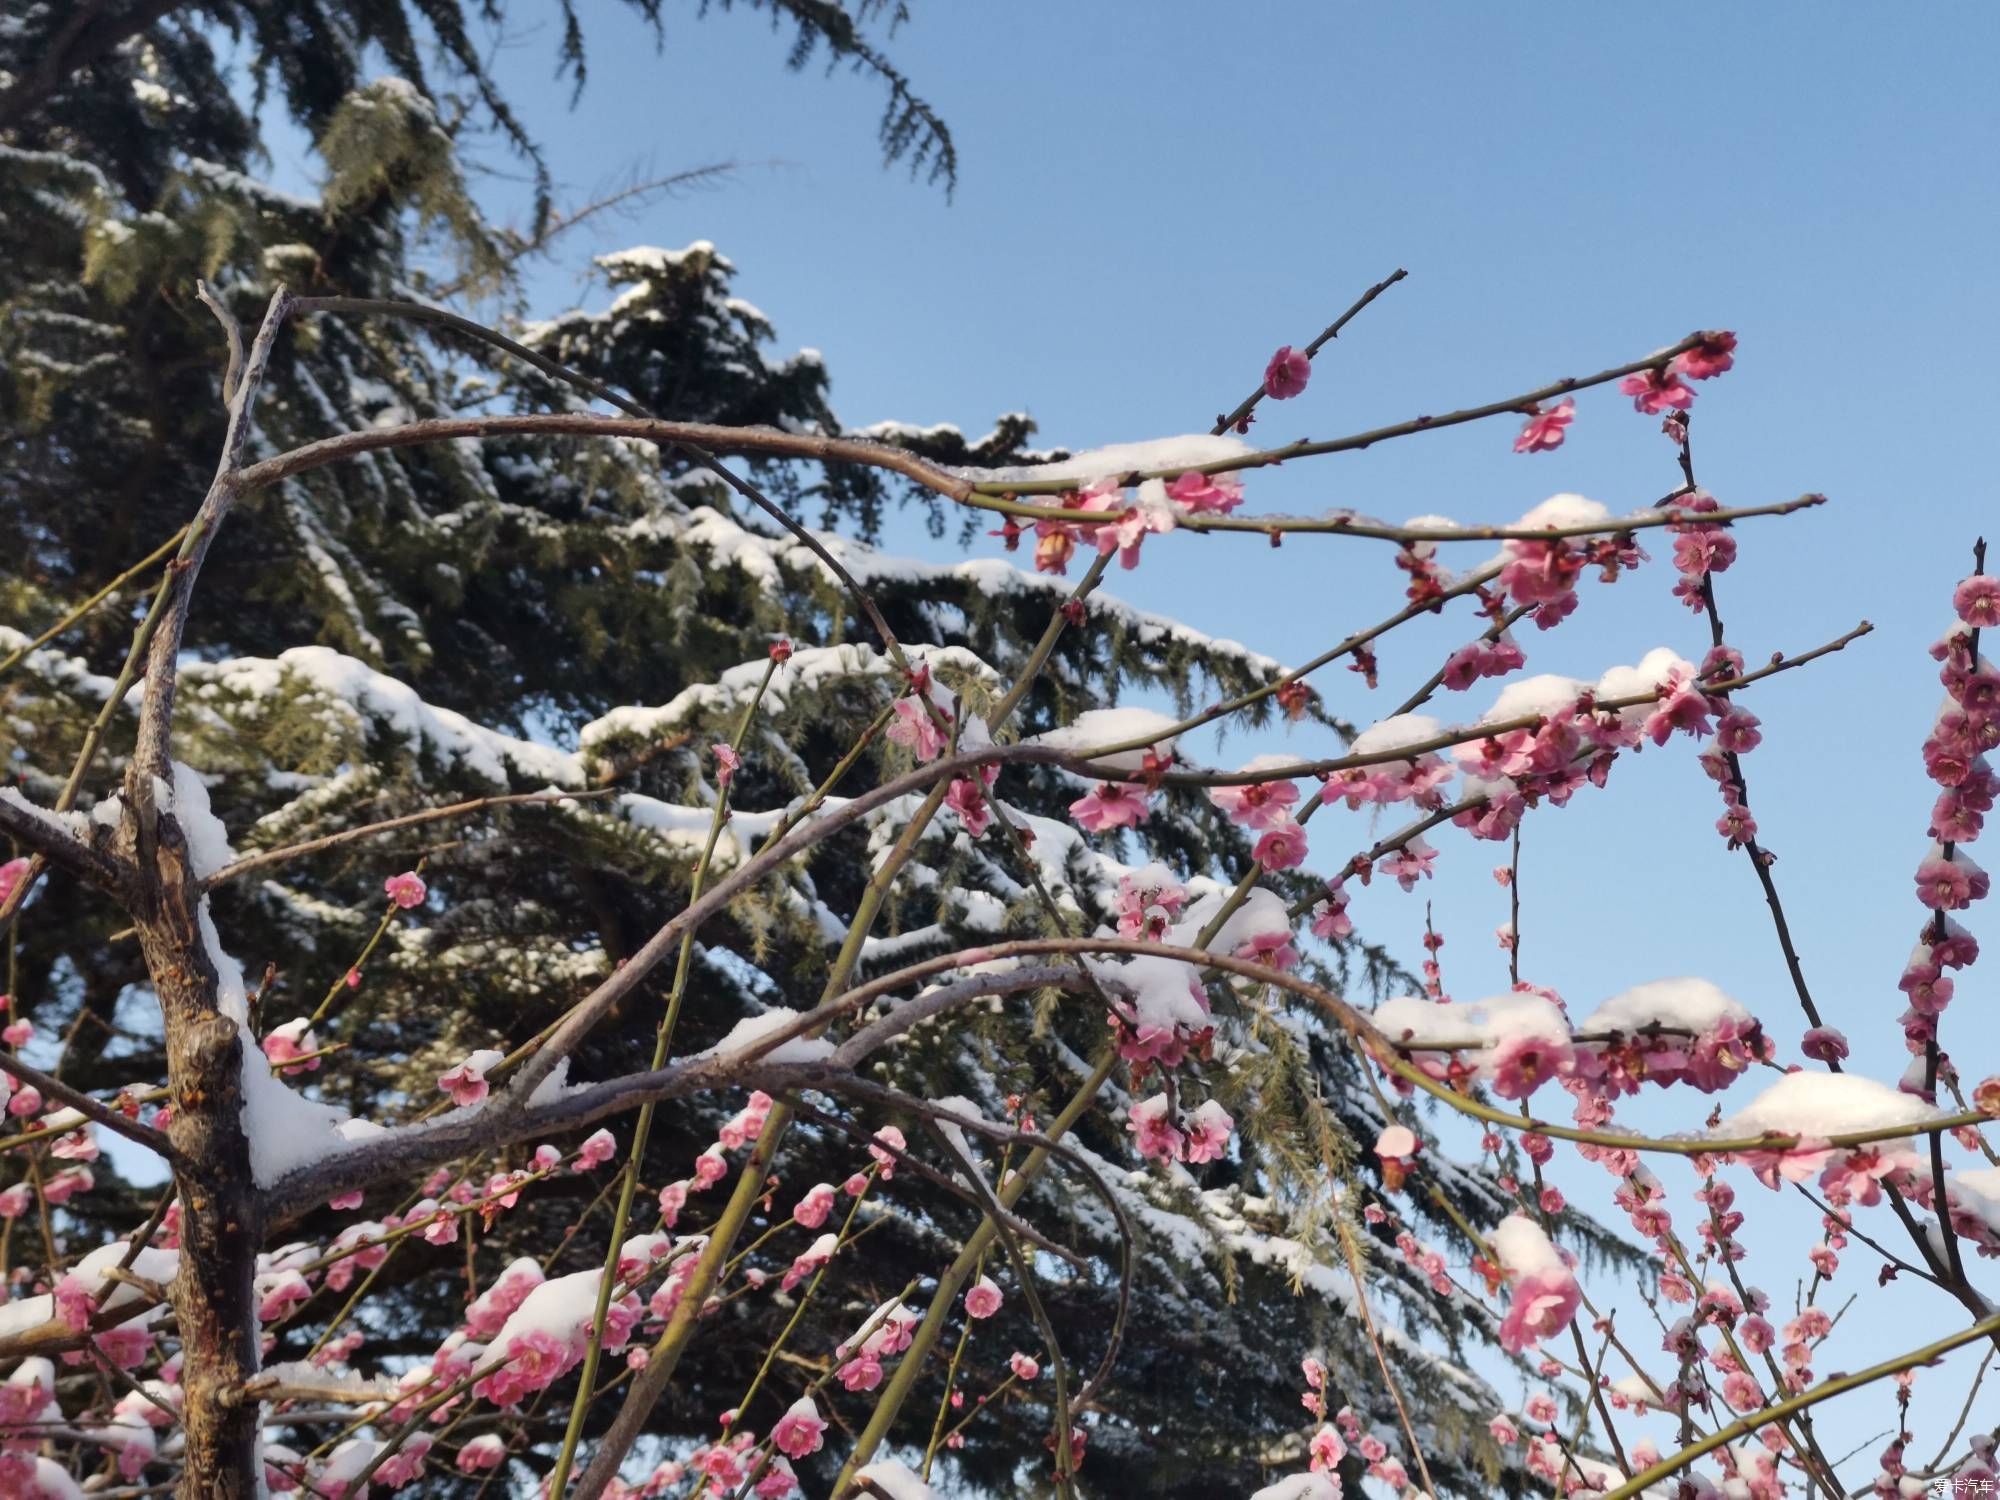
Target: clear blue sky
<point>1152,198</point>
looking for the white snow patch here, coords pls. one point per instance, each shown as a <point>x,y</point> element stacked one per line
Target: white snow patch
<point>1418,1022</point>
<point>1691,1004</point>
<point>1168,455</point>
<point>1543,696</point>
<point>1561,511</point>
<point>1822,1104</point>
<point>745,1035</point>
<point>1396,733</point>
<point>895,1481</point>
<point>1113,726</point>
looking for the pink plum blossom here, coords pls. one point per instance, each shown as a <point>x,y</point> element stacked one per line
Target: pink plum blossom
<point>1287,373</point>
<point>1950,884</point>
<point>1273,948</point>
<point>480,1454</point>
<point>466,1083</point>
<point>1283,847</point>
<point>1202,494</point>
<point>1543,1305</point>
<point>597,1149</point>
<point>1977,601</point>
<point>405,890</point>
<point>1258,805</point>
<point>811,1210</point>
<point>1522,1064</point>
<point>800,1431</point>
<point>1326,1449</point>
<point>1209,1129</point>
<point>1110,804</point>
<point>913,727</point>
<point>983,1300</point>
<point>1655,391</point>
<point>288,1042</point>
<point>726,763</point>
<point>862,1373</point>
<point>1154,1133</point>
<point>889,1140</point>
<point>1709,358</point>
<point>1329,915</point>
<point>1543,431</point>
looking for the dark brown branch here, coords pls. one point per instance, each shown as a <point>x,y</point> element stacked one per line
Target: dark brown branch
<point>500,1122</point>
<point>57,846</point>
<point>91,1109</point>
<point>265,858</point>
<point>809,447</point>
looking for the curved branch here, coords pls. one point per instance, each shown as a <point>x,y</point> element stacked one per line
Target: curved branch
<point>811,447</point>
<point>265,858</point>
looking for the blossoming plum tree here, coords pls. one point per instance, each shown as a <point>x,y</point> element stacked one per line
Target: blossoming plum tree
<point>1181,1001</point>
<point>743,1015</point>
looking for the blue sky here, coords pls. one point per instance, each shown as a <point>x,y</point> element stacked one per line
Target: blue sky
<point>1152,198</point>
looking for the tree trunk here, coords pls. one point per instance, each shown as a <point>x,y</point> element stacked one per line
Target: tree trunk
<point>214,1292</point>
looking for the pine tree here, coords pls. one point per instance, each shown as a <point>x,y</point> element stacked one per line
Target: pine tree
<point>492,617</point>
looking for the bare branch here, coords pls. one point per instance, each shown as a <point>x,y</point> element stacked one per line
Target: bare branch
<point>264,859</point>
<point>1249,403</point>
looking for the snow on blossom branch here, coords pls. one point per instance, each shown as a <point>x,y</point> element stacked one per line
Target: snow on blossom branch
<point>1081,759</point>
<point>762,441</point>
<point>428,1144</point>
<point>49,838</point>
<point>1387,1051</point>
<point>1240,418</point>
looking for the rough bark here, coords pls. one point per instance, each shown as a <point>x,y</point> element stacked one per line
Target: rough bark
<point>214,1292</point>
